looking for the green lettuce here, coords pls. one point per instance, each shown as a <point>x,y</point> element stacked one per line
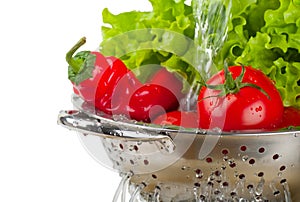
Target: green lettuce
<point>265,34</point>
<point>145,40</point>
<point>262,33</point>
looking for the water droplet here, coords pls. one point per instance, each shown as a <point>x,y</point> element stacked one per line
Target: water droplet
<point>137,191</point>
<point>156,194</point>
<point>185,168</point>
<point>286,190</point>
<point>258,109</point>
<point>275,191</point>
<point>245,158</point>
<point>199,173</point>
<point>225,158</point>
<point>236,174</point>
<point>260,187</point>
<point>223,167</point>
<point>217,130</point>
<point>231,163</point>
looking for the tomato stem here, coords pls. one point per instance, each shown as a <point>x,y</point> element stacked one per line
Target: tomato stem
<point>69,56</point>
<point>231,85</point>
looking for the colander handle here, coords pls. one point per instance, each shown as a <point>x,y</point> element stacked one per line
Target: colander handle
<point>89,125</point>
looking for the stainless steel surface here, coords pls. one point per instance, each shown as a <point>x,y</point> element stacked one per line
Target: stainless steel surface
<point>180,164</point>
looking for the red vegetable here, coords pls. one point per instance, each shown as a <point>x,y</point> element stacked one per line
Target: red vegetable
<point>85,70</point>
<point>159,95</point>
<point>95,78</point>
<point>115,87</point>
<point>186,119</point>
<point>239,98</point>
<point>168,80</point>
<point>151,100</point>
<point>112,88</point>
<point>290,118</point>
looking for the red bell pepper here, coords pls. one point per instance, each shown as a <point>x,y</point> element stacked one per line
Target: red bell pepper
<point>112,88</point>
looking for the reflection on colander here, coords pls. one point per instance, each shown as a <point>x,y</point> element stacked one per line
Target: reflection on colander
<point>177,164</point>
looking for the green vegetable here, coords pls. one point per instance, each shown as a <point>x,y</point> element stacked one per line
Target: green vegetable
<point>262,33</point>
<point>266,35</point>
<point>143,40</point>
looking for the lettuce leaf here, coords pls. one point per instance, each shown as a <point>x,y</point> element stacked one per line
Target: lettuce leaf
<point>265,34</point>
<point>143,40</point>
<point>262,33</point>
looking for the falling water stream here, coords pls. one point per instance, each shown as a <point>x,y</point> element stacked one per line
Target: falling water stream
<point>211,18</point>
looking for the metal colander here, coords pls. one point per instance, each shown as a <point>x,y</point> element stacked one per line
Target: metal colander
<point>177,164</point>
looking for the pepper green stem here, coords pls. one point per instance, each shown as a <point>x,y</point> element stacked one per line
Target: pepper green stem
<point>69,56</point>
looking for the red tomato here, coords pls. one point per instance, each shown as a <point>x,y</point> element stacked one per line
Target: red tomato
<point>151,100</point>
<point>186,119</point>
<point>247,100</point>
<point>291,118</point>
<point>169,80</point>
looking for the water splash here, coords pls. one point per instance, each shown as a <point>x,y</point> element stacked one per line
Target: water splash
<point>275,190</point>
<point>137,192</point>
<point>156,194</point>
<point>286,189</point>
<point>122,188</point>
<point>211,17</point>
<point>260,187</point>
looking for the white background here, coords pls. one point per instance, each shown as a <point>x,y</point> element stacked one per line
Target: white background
<point>39,160</point>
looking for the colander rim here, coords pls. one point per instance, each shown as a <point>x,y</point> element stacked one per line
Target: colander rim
<point>165,130</point>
